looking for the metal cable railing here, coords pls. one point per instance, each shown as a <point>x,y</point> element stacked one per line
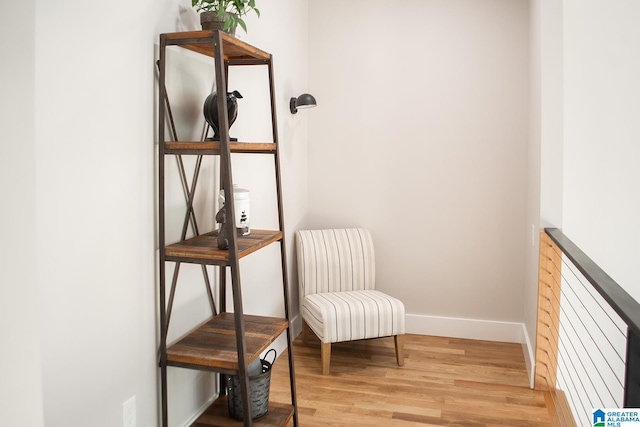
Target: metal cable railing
<point>587,351</point>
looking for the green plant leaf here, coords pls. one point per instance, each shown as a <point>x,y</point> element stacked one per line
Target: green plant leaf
<point>242,24</point>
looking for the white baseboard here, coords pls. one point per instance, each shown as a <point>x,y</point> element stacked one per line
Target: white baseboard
<point>296,326</point>
<point>456,327</point>
<point>474,329</point>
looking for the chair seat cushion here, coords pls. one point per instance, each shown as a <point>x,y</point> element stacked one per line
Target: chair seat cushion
<point>353,315</point>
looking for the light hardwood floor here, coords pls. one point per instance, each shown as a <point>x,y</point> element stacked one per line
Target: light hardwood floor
<point>445,382</point>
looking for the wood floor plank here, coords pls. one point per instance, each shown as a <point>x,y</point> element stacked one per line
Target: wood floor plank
<point>444,382</point>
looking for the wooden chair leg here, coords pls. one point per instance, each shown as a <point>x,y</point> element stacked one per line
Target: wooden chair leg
<point>399,340</point>
<point>326,357</point>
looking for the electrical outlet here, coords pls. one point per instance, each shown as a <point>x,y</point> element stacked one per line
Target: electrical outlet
<point>129,413</point>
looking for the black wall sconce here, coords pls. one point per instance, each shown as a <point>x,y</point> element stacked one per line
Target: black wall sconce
<point>303,101</point>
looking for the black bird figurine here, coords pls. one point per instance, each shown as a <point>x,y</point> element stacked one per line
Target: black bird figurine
<point>223,229</point>
<point>211,111</point>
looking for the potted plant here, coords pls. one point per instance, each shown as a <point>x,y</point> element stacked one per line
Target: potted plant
<point>224,15</point>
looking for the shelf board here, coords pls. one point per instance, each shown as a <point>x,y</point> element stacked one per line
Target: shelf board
<point>203,249</point>
<point>217,415</point>
<point>212,346</point>
<point>213,147</point>
<point>202,42</point>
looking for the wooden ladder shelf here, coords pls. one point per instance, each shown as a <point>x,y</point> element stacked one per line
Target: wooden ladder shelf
<point>229,341</point>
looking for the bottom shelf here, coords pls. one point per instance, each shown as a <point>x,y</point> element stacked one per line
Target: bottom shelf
<point>278,414</point>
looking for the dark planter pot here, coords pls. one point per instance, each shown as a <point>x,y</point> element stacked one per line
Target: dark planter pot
<point>211,21</point>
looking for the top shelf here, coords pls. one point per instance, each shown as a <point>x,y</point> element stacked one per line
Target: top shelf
<point>235,50</point>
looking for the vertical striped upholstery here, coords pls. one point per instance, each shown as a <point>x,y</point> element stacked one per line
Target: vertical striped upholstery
<point>335,260</point>
<point>338,300</point>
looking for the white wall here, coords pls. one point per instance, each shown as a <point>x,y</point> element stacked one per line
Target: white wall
<point>544,202</point>
<point>21,384</point>
<point>601,150</point>
<point>533,183</point>
<point>94,210</point>
<point>94,205</point>
<point>551,113</point>
<point>421,135</point>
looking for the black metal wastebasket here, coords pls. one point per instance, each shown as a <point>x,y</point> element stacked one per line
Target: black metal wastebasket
<point>259,385</point>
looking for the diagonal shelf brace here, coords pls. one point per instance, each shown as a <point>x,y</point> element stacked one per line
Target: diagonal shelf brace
<point>190,216</point>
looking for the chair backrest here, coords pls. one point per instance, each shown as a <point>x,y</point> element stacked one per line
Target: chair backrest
<point>335,260</point>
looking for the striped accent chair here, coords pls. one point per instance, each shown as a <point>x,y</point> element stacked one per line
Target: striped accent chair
<point>338,300</point>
